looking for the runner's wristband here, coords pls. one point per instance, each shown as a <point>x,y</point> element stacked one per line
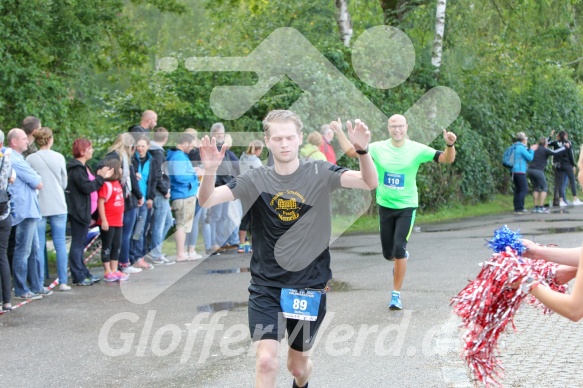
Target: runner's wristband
<point>362,152</point>
<point>450,145</point>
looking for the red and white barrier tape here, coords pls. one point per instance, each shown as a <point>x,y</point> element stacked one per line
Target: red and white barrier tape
<point>16,306</point>
<point>53,284</point>
<point>90,256</point>
<point>91,243</point>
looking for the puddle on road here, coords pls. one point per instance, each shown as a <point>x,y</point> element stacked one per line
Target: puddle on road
<point>573,229</point>
<point>368,253</point>
<point>220,306</point>
<point>335,248</point>
<point>339,286</point>
<point>225,271</point>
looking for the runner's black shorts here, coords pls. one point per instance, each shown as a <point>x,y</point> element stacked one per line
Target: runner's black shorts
<point>396,226</point>
<point>266,320</point>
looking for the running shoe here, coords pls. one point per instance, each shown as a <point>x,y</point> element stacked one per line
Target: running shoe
<point>122,276</point>
<point>131,269</point>
<point>166,260</point>
<point>85,282</point>
<point>95,279</point>
<point>111,277</point>
<point>142,264</point>
<point>157,260</point>
<point>395,301</point>
<point>29,295</point>
<point>45,292</point>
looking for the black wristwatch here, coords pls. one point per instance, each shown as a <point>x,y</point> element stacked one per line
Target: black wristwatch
<point>362,152</point>
<point>450,145</point>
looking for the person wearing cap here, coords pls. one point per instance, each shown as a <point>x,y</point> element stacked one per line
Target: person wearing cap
<point>522,155</point>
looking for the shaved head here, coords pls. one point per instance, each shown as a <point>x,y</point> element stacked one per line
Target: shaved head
<point>149,114</point>
<point>397,119</point>
<point>149,120</point>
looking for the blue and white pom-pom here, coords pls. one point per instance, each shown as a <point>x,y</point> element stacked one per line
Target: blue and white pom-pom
<point>504,237</point>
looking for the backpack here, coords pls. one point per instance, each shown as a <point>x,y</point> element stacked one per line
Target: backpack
<point>508,157</point>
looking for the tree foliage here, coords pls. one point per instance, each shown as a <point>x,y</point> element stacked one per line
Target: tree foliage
<point>91,68</point>
<point>51,51</point>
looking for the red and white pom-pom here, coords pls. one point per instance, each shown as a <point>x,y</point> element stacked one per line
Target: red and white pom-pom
<point>488,304</point>
<point>547,272</point>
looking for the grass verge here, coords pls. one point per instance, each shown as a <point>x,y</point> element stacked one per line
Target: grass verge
<point>369,224</point>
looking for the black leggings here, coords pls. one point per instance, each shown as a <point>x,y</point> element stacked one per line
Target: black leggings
<point>111,244</point>
<point>396,226</point>
<point>5,278</point>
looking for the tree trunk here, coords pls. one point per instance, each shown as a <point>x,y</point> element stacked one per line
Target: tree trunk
<point>439,29</point>
<point>344,22</point>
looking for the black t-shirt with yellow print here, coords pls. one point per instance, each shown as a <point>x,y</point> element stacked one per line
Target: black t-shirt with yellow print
<point>291,225</point>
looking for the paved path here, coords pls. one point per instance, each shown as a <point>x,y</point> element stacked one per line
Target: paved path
<point>194,333</point>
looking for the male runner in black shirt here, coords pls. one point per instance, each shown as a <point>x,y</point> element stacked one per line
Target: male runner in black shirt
<point>290,265</point>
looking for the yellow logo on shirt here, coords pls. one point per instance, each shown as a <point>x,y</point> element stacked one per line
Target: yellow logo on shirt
<point>287,208</point>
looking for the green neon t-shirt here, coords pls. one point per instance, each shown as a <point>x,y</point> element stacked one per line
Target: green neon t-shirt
<point>397,172</point>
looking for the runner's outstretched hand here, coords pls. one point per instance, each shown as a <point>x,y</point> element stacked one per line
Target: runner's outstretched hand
<point>210,157</point>
<point>359,135</point>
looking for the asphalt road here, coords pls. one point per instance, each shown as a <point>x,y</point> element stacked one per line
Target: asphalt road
<point>186,324</point>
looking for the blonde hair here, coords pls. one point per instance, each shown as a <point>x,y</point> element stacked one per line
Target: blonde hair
<point>43,136</point>
<point>315,138</point>
<point>281,116</point>
<point>254,146</point>
<point>123,144</point>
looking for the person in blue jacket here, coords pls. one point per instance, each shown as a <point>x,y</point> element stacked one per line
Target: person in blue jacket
<point>522,155</point>
<point>183,190</point>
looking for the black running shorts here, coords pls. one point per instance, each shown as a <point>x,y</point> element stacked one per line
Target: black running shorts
<point>267,322</point>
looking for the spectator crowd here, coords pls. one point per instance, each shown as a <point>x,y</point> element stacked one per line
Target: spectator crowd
<point>530,161</point>
<point>140,189</point>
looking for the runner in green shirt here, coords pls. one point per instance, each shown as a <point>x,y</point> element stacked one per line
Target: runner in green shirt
<point>397,161</point>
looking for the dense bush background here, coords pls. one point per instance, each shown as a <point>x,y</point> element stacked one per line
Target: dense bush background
<point>91,68</point>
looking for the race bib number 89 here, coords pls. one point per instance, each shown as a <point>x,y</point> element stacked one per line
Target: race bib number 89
<point>302,305</point>
<point>394,181</point>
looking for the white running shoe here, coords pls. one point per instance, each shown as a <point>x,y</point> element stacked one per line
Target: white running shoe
<point>577,202</point>
<point>131,269</point>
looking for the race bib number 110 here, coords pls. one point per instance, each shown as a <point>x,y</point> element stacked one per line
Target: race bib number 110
<point>394,181</point>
